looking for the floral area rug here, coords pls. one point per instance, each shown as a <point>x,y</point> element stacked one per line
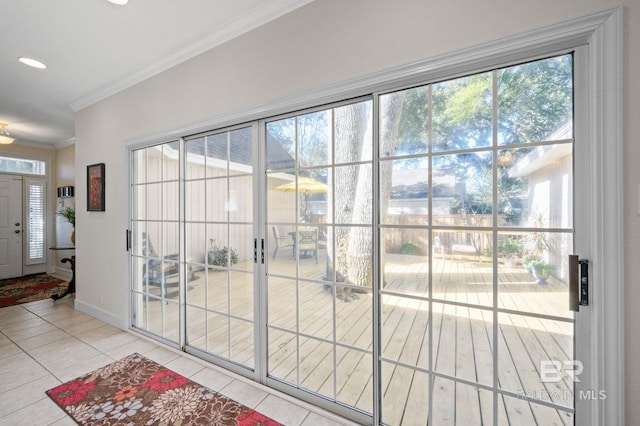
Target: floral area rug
<point>138,391</point>
<point>29,289</point>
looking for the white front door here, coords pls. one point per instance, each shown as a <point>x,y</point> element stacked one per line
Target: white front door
<point>10,226</point>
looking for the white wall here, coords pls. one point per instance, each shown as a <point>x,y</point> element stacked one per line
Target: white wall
<point>64,176</point>
<point>326,42</point>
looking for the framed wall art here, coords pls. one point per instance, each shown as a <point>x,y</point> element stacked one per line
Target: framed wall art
<point>95,188</point>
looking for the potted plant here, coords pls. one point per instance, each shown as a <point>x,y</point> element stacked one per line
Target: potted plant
<point>69,213</point>
<point>536,244</point>
<point>541,270</point>
<point>220,256</point>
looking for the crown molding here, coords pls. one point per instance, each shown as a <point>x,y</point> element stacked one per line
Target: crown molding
<point>64,144</point>
<point>510,50</point>
<point>33,144</point>
<point>246,22</point>
<point>44,145</point>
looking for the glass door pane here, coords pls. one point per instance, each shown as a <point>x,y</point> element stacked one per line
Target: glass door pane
<point>155,236</point>
<point>219,245</point>
<point>476,196</point>
<point>320,253</point>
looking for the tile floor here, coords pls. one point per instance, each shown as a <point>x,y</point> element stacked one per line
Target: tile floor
<point>43,344</point>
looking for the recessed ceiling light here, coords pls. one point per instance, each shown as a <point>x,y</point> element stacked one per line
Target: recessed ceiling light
<point>32,63</point>
<point>119,2</point>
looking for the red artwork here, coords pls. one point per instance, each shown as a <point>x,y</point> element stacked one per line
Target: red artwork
<point>95,187</point>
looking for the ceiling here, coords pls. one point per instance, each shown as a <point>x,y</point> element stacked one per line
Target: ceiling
<point>93,49</point>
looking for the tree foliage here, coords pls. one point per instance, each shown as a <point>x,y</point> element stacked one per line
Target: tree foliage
<point>515,105</point>
<point>534,99</point>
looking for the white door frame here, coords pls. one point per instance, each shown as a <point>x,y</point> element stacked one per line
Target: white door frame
<point>602,35</point>
<point>606,229</point>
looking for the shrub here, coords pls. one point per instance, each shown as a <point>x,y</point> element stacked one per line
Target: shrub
<point>410,248</point>
<point>220,256</point>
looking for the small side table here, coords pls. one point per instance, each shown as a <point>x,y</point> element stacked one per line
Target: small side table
<point>71,288</point>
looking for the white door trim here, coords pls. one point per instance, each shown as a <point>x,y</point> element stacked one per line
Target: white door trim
<point>606,230</point>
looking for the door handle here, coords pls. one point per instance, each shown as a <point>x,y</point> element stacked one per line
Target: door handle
<point>255,250</point>
<point>17,224</point>
<point>578,282</point>
<point>17,231</point>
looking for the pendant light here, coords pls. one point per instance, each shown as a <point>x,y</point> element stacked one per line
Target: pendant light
<point>5,137</point>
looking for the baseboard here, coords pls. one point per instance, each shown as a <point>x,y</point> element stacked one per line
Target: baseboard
<point>98,313</point>
<point>63,271</point>
<point>34,269</point>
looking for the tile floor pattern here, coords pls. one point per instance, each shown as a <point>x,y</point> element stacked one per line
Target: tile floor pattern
<point>43,344</point>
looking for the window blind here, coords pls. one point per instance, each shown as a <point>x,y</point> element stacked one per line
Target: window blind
<point>36,222</point>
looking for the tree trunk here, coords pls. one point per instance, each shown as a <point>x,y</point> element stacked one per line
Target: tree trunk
<point>353,197</point>
<point>390,113</point>
<point>352,125</point>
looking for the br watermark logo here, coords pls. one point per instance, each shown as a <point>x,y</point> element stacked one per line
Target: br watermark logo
<point>553,371</point>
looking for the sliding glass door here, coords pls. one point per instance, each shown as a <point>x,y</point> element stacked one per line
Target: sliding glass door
<point>155,241</point>
<point>219,245</point>
<point>422,274</point>
<point>320,271</point>
<point>403,262</point>
<point>476,194</point>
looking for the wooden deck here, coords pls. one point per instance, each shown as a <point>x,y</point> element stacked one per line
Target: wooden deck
<point>302,350</point>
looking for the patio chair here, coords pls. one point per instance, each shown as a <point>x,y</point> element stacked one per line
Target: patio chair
<point>282,241</point>
<point>308,241</point>
<point>437,247</point>
<point>158,270</point>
